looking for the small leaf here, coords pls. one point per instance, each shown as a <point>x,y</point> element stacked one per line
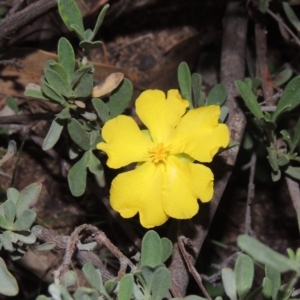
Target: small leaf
<point>101,109</point>
<point>289,99</point>
<point>8,283</point>
<point>70,278</point>
<point>224,113</point>
<point>147,273</point>
<point>53,134</point>
<point>265,255</point>
<point>28,196</point>
<point>94,165</point>
<point>52,94</point>
<point>11,151</point>
<point>77,177</point>
<point>151,252</point>
<point>185,82</point>
<point>45,247</point>
<point>272,158</point>
<point>167,249</point>
<point>217,95</point>
<point>12,104</point>
<point>126,287</point>
<point>274,277</point>
<point>10,212</point>
<point>57,83</point>
<point>293,172</point>
<point>3,222</point>
<point>70,14</point>
<point>13,195</point>
<point>60,70</point>
<point>106,86</point>
<point>64,114</point>
<point>5,240</point>
<point>93,276</point>
<point>249,98</point>
<point>228,279</point>
<point>283,77</point>
<point>100,20</point>
<point>25,221</point>
<point>66,57</point>
<point>244,274</point>
<point>79,136</point>
<point>84,87</point>
<point>291,15</point>
<point>267,288</point>
<point>35,93</point>
<point>120,99</point>
<point>198,99</point>
<point>110,285</point>
<point>160,283</point>
<point>79,73</point>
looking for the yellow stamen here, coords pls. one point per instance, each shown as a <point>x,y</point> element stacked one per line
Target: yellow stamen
<point>159,153</point>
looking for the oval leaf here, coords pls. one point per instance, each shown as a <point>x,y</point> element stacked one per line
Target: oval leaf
<point>160,283</point>
<point>66,57</point>
<point>185,82</point>
<point>228,279</point>
<point>217,95</point>
<point>79,136</point>
<point>101,109</point>
<point>151,252</point>
<point>8,283</point>
<point>126,287</point>
<point>84,87</point>
<point>25,221</point>
<point>53,134</point>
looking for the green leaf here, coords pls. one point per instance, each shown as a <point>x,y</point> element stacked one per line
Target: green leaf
<point>267,125</point>
<point>79,136</point>
<point>253,295</point>
<point>35,94</point>
<point>120,99</point>
<point>147,273</point>
<point>66,57</point>
<point>167,249</point>
<point>228,279</point>
<point>101,109</point>
<point>71,15</point>
<point>110,285</point>
<point>263,5</point>
<point>70,278</point>
<point>100,20</point>
<point>8,283</point>
<point>267,288</point>
<point>57,83</point>
<point>293,172</point>
<point>13,195</point>
<point>79,73</point>
<point>28,196</point>
<point>52,94</point>
<point>217,95</point>
<point>198,99</point>
<point>12,104</point>
<point>274,277</point>
<point>10,212</point>
<point>151,253</point>
<point>283,77</point>
<point>185,82</point>
<point>272,158</point>
<point>244,274</point>
<point>64,114</point>
<point>3,222</point>
<point>11,151</point>
<point>53,134</point>
<point>45,247</point>
<point>25,221</point>
<point>87,45</point>
<point>5,240</point>
<point>160,283</point>
<point>88,34</point>
<point>94,164</point>
<point>77,177</point>
<point>296,137</point>
<point>289,99</point>
<point>25,237</point>
<point>265,255</point>
<point>84,87</point>
<point>126,287</point>
<point>60,70</point>
<point>291,15</point>
<point>249,98</point>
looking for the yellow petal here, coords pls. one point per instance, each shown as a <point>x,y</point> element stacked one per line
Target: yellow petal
<point>160,115</point>
<point>200,135</point>
<point>140,191</point>
<point>184,183</point>
<point>125,143</point>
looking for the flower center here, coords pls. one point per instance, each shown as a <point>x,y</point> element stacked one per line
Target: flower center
<point>159,153</point>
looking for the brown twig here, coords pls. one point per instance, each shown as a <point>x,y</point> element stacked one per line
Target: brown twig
<point>181,243</point>
<point>232,68</point>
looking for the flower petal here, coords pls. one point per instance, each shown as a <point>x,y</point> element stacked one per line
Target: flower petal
<point>125,143</point>
<point>160,115</point>
<point>199,134</point>
<point>140,191</point>
<point>184,183</point>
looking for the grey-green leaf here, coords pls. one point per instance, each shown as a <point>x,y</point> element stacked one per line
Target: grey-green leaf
<point>57,83</point>
<point>12,104</point>
<point>275,279</point>
<point>101,109</point>
<point>66,57</point>
<point>267,288</point>
<point>77,177</point>
<point>100,20</point>
<point>13,195</point>
<point>160,283</point>
<point>151,253</point>
<point>185,82</point>
<point>84,87</point>
<point>167,249</point>
<point>35,94</point>
<point>70,14</point>
<point>244,274</point>
<point>291,15</point>
<point>94,165</point>
<point>25,221</point>
<point>53,134</point>
<point>293,172</point>
<point>197,95</point>
<point>249,98</point>
<point>289,99</point>
<point>8,283</point>
<point>28,196</point>
<point>52,94</point>
<point>217,95</point>
<point>79,136</point>
<point>93,276</point>
<point>228,279</point>
<point>120,99</point>
<point>126,287</point>
<point>265,255</point>
<point>10,211</point>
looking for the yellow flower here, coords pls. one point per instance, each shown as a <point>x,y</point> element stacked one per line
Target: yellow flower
<point>166,182</point>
